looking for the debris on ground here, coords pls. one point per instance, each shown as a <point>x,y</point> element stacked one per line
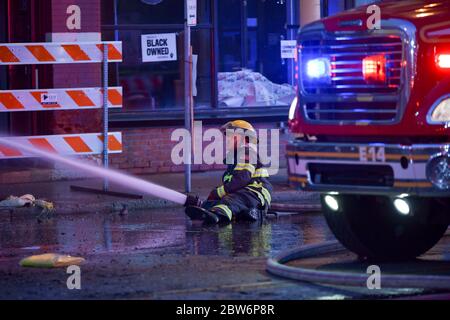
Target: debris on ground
<point>13,202</point>
<point>28,201</point>
<point>50,260</point>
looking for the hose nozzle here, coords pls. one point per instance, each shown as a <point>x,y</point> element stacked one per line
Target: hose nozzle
<point>192,200</point>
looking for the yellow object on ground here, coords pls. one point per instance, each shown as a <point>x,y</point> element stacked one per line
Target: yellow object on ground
<point>50,260</point>
<point>44,205</point>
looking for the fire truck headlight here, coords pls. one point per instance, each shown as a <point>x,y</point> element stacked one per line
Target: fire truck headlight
<point>332,202</point>
<point>440,112</point>
<point>438,171</point>
<point>292,109</point>
<point>318,68</point>
<point>402,206</point>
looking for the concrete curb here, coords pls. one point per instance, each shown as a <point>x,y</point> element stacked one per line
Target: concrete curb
<point>154,203</point>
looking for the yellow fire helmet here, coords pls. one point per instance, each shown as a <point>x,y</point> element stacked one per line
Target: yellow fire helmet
<point>249,130</point>
<point>239,124</point>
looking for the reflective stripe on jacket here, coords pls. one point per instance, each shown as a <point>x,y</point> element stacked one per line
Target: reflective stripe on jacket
<point>243,174</point>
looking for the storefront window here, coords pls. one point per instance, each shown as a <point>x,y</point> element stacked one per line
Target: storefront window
<point>147,86</point>
<point>154,86</point>
<point>236,48</point>
<point>365,2</point>
<point>150,11</point>
<point>251,71</point>
<point>202,50</point>
<point>159,11</point>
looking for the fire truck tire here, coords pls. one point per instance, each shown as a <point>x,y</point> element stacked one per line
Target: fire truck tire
<point>371,227</point>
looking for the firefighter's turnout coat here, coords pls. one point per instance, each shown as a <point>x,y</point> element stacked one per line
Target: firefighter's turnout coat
<point>245,184</point>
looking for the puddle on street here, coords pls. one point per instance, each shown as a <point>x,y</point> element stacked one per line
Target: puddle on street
<point>169,232</point>
<point>164,231</point>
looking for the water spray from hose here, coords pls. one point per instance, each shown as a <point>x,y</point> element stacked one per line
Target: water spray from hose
<point>136,184</point>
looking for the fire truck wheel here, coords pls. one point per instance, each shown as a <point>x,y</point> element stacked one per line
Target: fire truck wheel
<point>373,228</point>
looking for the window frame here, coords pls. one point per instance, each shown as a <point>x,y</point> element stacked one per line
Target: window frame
<point>177,114</point>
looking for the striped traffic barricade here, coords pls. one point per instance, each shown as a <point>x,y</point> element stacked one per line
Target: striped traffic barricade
<point>66,144</point>
<point>56,53</point>
<point>58,99</point>
<point>64,99</point>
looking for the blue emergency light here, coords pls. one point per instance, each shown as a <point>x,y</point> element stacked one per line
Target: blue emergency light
<point>318,68</point>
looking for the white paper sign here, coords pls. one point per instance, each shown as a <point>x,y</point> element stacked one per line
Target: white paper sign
<point>192,12</point>
<point>288,49</point>
<point>159,47</point>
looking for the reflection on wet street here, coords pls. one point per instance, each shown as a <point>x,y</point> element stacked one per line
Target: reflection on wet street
<point>164,230</point>
<point>159,254</point>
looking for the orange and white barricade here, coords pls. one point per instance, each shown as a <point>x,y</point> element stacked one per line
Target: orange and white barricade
<point>66,144</point>
<point>54,53</point>
<point>58,99</point>
<point>64,99</point>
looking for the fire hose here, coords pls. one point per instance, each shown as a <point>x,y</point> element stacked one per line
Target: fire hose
<point>277,266</point>
<point>125,180</point>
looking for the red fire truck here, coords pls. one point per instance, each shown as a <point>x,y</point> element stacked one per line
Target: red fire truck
<point>371,123</point>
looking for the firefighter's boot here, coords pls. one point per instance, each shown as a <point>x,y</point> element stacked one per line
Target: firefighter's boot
<point>217,216</point>
<point>198,213</point>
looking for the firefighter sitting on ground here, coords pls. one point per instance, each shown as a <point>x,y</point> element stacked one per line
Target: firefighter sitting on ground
<point>245,192</point>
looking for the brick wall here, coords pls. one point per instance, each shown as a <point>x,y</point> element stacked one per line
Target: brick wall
<point>76,75</point>
<point>148,150</point>
<point>145,151</point>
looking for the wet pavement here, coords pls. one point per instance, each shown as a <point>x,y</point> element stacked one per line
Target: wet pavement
<point>68,201</point>
<point>159,254</point>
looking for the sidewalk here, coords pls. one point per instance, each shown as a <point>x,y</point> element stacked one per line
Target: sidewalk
<point>67,201</point>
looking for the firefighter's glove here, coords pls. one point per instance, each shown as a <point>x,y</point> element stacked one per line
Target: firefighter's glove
<point>192,200</point>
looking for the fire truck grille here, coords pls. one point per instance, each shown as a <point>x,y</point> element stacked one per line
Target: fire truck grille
<point>347,95</point>
<point>351,175</point>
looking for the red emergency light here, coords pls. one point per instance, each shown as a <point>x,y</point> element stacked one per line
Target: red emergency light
<point>374,68</point>
<point>443,60</point>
